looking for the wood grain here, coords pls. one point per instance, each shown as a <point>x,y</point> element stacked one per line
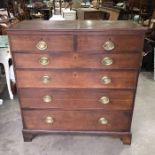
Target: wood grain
<point>28,43</point>
<point>76,79</point>
<point>123,43</point>
<point>78,60</point>
<point>77,120</point>
<point>76,99</point>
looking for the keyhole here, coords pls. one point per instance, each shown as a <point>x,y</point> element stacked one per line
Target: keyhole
<point>75,57</point>
<point>75,74</point>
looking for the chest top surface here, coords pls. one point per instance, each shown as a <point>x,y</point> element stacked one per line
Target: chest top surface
<point>77,25</point>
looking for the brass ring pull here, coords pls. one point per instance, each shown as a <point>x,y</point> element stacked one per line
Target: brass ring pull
<point>49,120</point>
<point>104,100</point>
<point>47,98</point>
<point>45,79</point>
<point>41,45</point>
<point>103,121</point>
<point>107,61</point>
<point>105,80</point>
<point>44,61</point>
<point>108,45</point>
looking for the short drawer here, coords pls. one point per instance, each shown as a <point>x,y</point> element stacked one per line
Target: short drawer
<point>76,99</point>
<point>109,43</point>
<point>77,79</point>
<point>76,60</point>
<point>41,43</point>
<point>77,120</point>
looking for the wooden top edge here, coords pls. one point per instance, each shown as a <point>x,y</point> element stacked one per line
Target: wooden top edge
<point>76,25</point>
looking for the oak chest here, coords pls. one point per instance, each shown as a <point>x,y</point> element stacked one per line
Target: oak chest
<point>77,76</point>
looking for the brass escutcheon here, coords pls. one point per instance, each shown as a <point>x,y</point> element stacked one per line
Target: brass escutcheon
<point>108,45</point>
<point>44,61</point>
<point>49,120</point>
<point>105,80</point>
<point>47,98</point>
<point>104,100</point>
<point>107,61</point>
<point>103,121</point>
<point>41,45</point>
<point>45,79</point>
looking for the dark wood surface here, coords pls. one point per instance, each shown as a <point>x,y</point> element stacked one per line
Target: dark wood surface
<point>89,14</point>
<point>77,120</point>
<point>28,134</point>
<point>75,53</point>
<point>77,60</point>
<point>77,79</point>
<point>93,15</point>
<point>55,42</point>
<point>89,25</point>
<point>76,99</point>
<point>92,42</point>
<point>122,42</point>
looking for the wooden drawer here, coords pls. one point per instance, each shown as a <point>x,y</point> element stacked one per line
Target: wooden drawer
<point>29,43</point>
<point>76,60</point>
<point>122,43</point>
<point>77,79</point>
<point>77,120</point>
<point>76,99</point>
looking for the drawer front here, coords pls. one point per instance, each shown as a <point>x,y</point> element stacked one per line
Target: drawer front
<point>76,99</point>
<point>120,43</point>
<point>77,120</point>
<point>77,79</point>
<point>72,60</point>
<point>43,43</point>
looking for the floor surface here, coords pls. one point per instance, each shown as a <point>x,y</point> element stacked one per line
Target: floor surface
<point>143,130</point>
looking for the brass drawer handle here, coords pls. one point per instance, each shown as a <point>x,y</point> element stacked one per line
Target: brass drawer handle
<point>45,79</point>
<point>49,120</point>
<point>44,61</point>
<point>103,121</point>
<point>104,100</point>
<point>47,98</point>
<point>108,45</point>
<point>41,45</point>
<point>105,80</point>
<point>107,61</point>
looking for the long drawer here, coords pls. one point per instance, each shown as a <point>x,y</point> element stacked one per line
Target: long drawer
<point>77,120</point>
<point>76,99</point>
<point>78,60</point>
<point>33,43</point>
<point>77,79</point>
<point>86,43</point>
<point>120,43</point>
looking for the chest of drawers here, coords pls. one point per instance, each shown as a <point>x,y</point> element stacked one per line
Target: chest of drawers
<point>77,76</point>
